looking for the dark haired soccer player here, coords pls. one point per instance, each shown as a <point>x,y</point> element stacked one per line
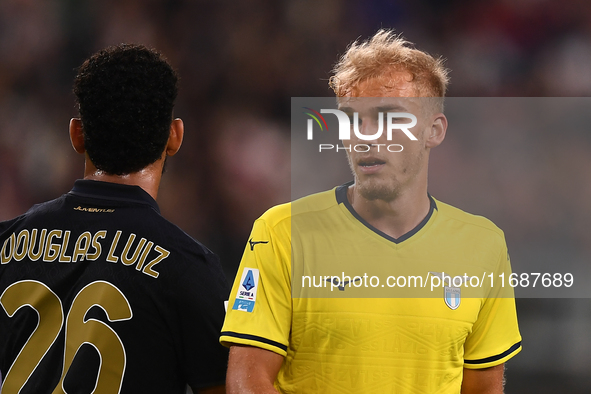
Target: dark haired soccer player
<point>100,293</point>
<point>358,339</point>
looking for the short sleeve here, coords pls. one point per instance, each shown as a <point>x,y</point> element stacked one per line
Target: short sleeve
<point>201,293</point>
<point>495,336</point>
<point>259,308</point>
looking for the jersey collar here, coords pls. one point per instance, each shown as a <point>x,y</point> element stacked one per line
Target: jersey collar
<point>341,195</point>
<point>113,191</point>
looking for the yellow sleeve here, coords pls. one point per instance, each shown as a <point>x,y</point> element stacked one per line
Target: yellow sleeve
<point>495,336</point>
<point>259,308</point>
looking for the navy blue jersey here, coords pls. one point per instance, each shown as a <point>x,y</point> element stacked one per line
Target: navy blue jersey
<point>100,292</point>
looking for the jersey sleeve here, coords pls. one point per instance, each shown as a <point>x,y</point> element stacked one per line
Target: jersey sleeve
<point>495,336</point>
<point>200,294</point>
<point>259,308</point>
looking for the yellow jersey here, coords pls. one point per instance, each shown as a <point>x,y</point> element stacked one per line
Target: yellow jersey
<point>353,310</point>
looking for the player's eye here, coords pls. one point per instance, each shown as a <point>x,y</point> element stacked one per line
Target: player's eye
<point>351,117</point>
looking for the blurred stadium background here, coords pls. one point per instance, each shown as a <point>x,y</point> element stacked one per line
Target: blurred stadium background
<point>240,63</point>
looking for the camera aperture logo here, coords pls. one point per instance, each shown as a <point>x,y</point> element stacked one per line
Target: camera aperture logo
<point>394,121</point>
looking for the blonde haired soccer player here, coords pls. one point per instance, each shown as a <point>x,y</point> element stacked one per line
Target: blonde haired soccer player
<point>286,338</point>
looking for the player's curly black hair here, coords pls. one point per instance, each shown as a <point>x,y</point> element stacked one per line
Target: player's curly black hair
<point>125,95</point>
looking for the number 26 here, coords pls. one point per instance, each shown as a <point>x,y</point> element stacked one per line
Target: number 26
<point>79,331</point>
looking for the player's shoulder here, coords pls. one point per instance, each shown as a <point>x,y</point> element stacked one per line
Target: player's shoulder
<point>477,222</point>
<point>36,210</point>
<point>177,238</point>
<point>313,203</point>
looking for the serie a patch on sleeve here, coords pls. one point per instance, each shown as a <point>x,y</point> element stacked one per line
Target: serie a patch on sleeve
<point>247,292</point>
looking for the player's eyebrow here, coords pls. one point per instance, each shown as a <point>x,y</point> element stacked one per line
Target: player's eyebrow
<point>391,108</point>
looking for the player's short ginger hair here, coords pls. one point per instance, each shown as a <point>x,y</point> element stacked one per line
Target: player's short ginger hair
<point>385,52</point>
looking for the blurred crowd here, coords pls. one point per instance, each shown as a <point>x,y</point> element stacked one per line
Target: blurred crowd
<point>241,61</point>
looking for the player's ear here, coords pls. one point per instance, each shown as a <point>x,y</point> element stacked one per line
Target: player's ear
<point>437,131</point>
<point>77,135</point>
<point>175,139</point>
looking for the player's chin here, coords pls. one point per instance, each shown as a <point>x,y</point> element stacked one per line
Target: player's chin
<point>373,188</point>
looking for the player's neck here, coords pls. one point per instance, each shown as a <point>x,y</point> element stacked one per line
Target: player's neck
<point>147,178</point>
<point>394,217</point>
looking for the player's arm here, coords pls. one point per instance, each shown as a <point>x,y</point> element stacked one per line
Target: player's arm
<point>494,338</point>
<point>198,302</point>
<point>258,322</point>
<point>483,381</point>
<point>252,370</point>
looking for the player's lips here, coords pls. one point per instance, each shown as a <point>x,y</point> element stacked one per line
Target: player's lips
<point>370,165</point>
